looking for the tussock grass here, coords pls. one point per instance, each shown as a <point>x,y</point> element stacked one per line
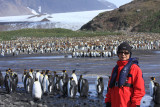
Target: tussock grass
<point>152,24</point>
<point>57,32</point>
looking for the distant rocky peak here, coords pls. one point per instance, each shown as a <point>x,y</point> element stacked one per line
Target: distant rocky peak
<point>23,7</point>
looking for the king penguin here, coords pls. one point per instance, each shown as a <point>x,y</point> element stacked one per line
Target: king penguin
<point>51,84</point>
<point>74,77</point>
<point>99,86</point>
<point>71,88</point>
<point>151,86</point>
<point>61,83</point>
<point>57,85</point>
<point>54,80</point>
<point>41,77</point>
<point>156,91</point>
<point>65,82</point>
<point>14,81</point>
<point>83,87</point>
<point>45,84</point>
<point>36,90</point>
<point>1,80</point>
<point>8,82</point>
<point>24,75</point>
<point>29,84</point>
<point>79,81</point>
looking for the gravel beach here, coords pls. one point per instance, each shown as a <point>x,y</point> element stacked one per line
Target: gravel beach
<point>89,67</point>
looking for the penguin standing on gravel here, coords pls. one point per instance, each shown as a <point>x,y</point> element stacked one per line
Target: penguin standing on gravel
<point>83,87</point>
<point>57,84</point>
<point>14,81</point>
<point>8,82</point>
<point>74,77</point>
<point>151,86</point>
<point>61,83</point>
<point>25,80</point>
<point>65,82</point>
<point>99,86</point>
<point>45,84</point>
<point>155,90</point>
<point>54,80</point>
<point>71,88</point>
<point>51,83</point>
<point>24,75</point>
<point>1,80</point>
<point>79,81</point>
<point>36,90</point>
<point>29,84</point>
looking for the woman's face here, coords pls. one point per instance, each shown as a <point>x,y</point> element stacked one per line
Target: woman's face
<point>123,55</point>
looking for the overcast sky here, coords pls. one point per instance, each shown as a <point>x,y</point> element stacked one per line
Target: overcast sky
<point>119,2</point>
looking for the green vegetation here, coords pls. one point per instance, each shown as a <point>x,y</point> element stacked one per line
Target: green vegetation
<point>136,16</point>
<point>152,24</point>
<point>58,32</point>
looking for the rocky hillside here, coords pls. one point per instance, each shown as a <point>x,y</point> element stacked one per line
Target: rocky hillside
<point>21,7</point>
<point>139,15</point>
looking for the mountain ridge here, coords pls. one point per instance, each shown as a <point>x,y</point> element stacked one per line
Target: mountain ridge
<point>23,7</point>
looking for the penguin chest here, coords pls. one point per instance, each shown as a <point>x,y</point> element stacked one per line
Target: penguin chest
<point>37,91</point>
<point>99,88</point>
<point>31,74</point>
<point>69,88</point>
<point>45,84</point>
<point>73,89</point>
<point>61,85</point>
<point>151,87</point>
<point>38,76</point>
<point>75,78</point>
<point>23,78</point>
<point>41,78</point>
<point>29,85</point>
<point>81,85</point>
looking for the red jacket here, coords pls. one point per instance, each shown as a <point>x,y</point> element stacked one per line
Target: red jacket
<point>127,96</point>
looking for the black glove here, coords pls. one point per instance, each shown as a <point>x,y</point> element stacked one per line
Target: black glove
<point>137,105</point>
<point>108,104</point>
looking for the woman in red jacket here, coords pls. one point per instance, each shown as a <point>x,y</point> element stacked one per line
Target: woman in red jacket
<point>126,85</point>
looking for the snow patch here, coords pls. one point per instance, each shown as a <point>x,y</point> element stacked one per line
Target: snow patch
<point>39,9</point>
<point>33,11</point>
<point>70,20</point>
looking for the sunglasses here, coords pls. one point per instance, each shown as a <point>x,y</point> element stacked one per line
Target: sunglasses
<point>126,53</point>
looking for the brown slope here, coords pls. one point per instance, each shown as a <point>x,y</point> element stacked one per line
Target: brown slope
<point>127,17</point>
